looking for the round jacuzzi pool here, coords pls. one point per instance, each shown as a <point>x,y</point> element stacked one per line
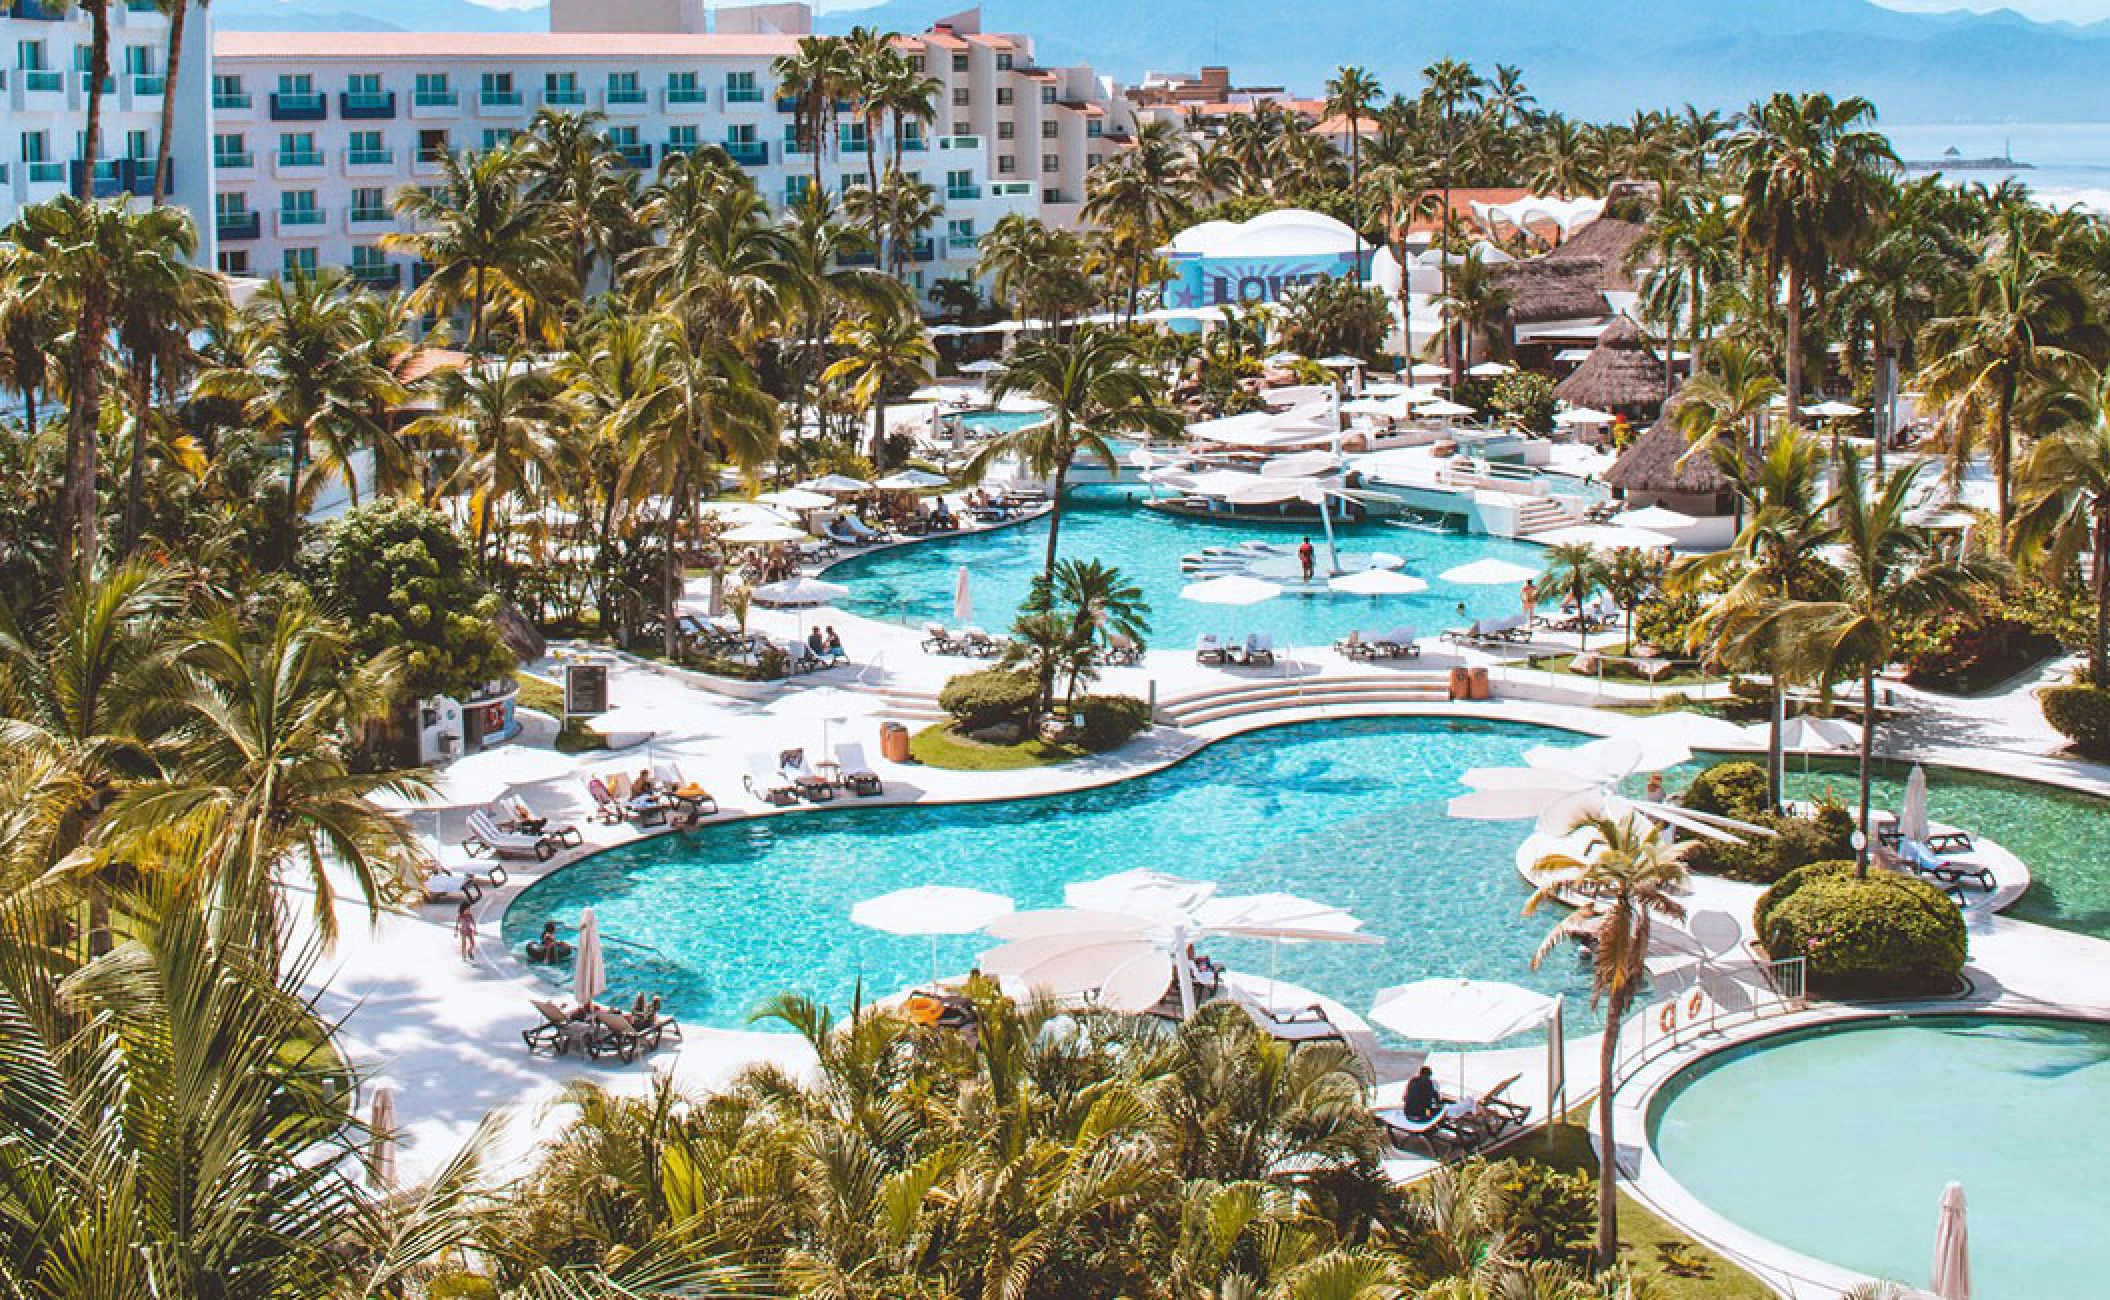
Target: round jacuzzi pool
<point>1836,1143</point>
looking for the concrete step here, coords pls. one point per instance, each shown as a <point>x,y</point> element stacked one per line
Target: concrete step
<point>1261,697</point>
<point>1269,685</point>
<point>1248,708</point>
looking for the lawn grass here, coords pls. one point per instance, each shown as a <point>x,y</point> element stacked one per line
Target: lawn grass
<point>1676,1266</point>
<point>940,746</point>
<point>573,735</point>
<point>1689,675</point>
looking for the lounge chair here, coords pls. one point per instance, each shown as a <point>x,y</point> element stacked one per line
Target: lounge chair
<point>1400,643</point>
<point>616,1036</point>
<point>939,639</point>
<point>1938,841</point>
<point>553,1034</point>
<point>1259,648</point>
<point>792,766</point>
<point>522,819</point>
<point>1209,649</point>
<point>1121,648</point>
<point>451,886</point>
<point>799,657</point>
<point>1930,865</point>
<point>1298,1027</point>
<point>485,837</point>
<point>1493,1117</point>
<point>976,642</point>
<point>816,550</point>
<point>1358,645</point>
<point>1433,1134</point>
<point>605,807</point>
<point>862,535</point>
<point>1470,634</point>
<point>836,531</point>
<point>1509,628</point>
<point>854,772</point>
<point>764,782</point>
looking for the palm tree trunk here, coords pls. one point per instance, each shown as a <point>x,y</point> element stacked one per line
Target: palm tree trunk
<point>1776,759</point>
<point>1692,306</point>
<point>98,73</point>
<point>878,426</point>
<point>136,476</point>
<point>84,403</point>
<point>670,569</point>
<point>476,310</point>
<point>2003,447</point>
<point>1355,195</point>
<point>1868,749</point>
<point>1886,399</point>
<point>1608,1147</point>
<point>2099,576</point>
<point>178,10</point>
<point>1793,394</point>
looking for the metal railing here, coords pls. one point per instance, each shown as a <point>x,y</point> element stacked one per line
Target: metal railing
<point>1703,999</point>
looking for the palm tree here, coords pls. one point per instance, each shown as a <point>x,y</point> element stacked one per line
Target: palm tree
<point>1690,238</point>
<point>723,263</point>
<point>869,58</point>
<point>503,420</point>
<point>1096,384</point>
<point>1447,84</point>
<point>489,245</point>
<point>590,197</point>
<point>1574,572</point>
<point>1812,174</point>
<point>1472,302</point>
<point>1140,196</point>
<point>1723,405</point>
<point>30,328</point>
<point>883,351</point>
<point>1888,571</point>
<point>2065,510</point>
<point>1893,290</point>
<point>1098,598</point>
<point>178,11</point>
<point>2021,315</point>
<point>814,77</point>
<point>1404,197</point>
<point>1351,93</point>
<point>160,301</point>
<point>1629,576</point>
<point>260,774</point>
<point>1625,876</point>
<point>98,12</point>
<point>907,94</point>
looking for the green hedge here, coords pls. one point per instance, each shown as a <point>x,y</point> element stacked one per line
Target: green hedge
<point>1885,935</point>
<point>990,698</point>
<point>2082,715</point>
<point>1107,721</point>
<point>1733,789</point>
<point>1795,842</point>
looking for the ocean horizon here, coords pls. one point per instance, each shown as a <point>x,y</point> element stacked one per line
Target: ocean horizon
<point>2068,162</point>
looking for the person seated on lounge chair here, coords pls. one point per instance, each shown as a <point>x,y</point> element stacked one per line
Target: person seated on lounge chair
<point>641,784</point>
<point>520,817</point>
<point>1424,1099</point>
<point>832,648</point>
<point>816,644</point>
<point>941,518</point>
<point>549,949</point>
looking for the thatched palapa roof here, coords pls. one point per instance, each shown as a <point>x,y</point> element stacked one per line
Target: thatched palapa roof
<point>1570,282</point>
<point>1621,373</point>
<point>1650,463</point>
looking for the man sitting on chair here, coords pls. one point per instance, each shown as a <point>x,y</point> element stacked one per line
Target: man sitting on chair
<point>1424,1099</point>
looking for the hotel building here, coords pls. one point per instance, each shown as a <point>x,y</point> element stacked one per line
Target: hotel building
<point>313,134</point>
<point>44,55</point>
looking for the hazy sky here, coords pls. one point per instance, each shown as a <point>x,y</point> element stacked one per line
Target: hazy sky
<point>2079,11</point>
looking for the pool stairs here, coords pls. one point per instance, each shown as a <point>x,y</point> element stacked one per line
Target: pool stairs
<point>1279,694</point>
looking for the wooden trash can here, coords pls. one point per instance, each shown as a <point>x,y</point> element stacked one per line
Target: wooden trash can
<point>1461,683</point>
<point>1479,682</point>
<point>893,742</point>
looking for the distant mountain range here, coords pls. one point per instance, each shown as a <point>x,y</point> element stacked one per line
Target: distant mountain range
<point>1601,59</point>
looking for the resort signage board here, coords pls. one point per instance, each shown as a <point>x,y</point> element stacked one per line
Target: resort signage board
<point>585,689</point>
<point>1199,281</point>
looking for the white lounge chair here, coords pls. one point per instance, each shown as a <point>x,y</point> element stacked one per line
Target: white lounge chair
<point>1121,648</point>
<point>854,771</point>
<point>1300,1026</point>
<point>766,783</point>
<point>485,837</point>
<point>1259,648</point>
<point>447,886</point>
<point>976,642</point>
<point>1209,649</point>
<point>1401,642</point>
<point>939,639</point>
<point>792,766</point>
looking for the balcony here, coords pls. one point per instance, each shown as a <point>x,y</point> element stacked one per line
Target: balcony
<point>915,144</point>
<point>311,106</point>
<point>960,143</point>
<point>36,12</point>
<point>501,103</point>
<point>573,98</point>
<point>366,107</point>
<point>1011,190</point>
<point>357,219</point>
<point>968,244</point>
<point>743,94</point>
<point>377,275</point>
<point>369,162</point>
<point>45,173</point>
<point>678,148</point>
<point>787,104</point>
<point>435,103</point>
<point>148,85</point>
<point>297,163</point>
<point>239,225</point>
<point>429,162</point>
<point>858,257</point>
<point>688,95</point>
<point>962,193</point>
<point>625,98</point>
<point>923,250</point>
<point>109,83</point>
<point>846,145</point>
<point>747,153</point>
<point>635,156</point>
<point>299,222</point>
<point>232,101</point>
<point>234,162</point>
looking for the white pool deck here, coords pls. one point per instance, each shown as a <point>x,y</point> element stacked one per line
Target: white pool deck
<point>444,1033</point>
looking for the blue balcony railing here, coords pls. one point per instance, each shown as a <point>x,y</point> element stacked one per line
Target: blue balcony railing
<point>377,275</point>
<point>743,94</point>
<point>366,107</point>
<point>963,193</point>
<point>625,95</point>
<point>501,99</point>
<point>239,225</point>
<point>747,153</point>
<point>312,106</point>
<point>688,94</point>
<point>229,100</point>
<point>370,157</point>
<point>148,85</point>
<point>637,156</point>
<point>233,161</point>
<point>45,173</point>
<point>572,98</point>
<point>43,80</point>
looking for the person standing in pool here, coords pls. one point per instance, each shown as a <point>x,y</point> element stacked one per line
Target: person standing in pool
<point>1529,598</point>
<point>1307,558</point>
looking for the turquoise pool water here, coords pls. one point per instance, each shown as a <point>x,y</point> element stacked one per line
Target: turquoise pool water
<point>999,421</point>
<point>1837,1143</point>
<point>2063,837</point>
<point>914,584</point>
<point>1348,813</point>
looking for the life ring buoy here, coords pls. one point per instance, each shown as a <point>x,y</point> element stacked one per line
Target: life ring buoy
<point>1667,1017</point>
<point>1695,1003</point>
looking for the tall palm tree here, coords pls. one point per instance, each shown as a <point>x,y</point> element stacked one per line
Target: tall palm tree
<point>1690,244</point>
<point>1888,571</point>
<point>869,59</point>
<point>2021,316</point>
<point>2065,509</point>
<point>882,351</point>
<point>815,78</point>
<point>1893,291</point>
<point>178,12</point>
<point>1448,83</point>
<point>489,245</point>
<point>503,420</point>
<point>1574,572</point>
<point>1625,876</point>
<point>1473,301</point>
<point>1351,93</point>
<point>1724,404</point>
<point>1405,195</point>
<point>161,300</point>
<point>260,775</point>
<point>590,196</point>
<point>723,262</point>
<point>1140,196</point>
<point>30,328</point>
<point>908,94</point>
<point>98,12</point>
<point>1813,172</point>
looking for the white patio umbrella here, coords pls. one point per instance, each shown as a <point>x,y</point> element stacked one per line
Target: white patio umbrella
<point>1342,361</point>
<point>1490,573</point>
<point>912,480</point>
<point>482,777</point>
<point>1378,582</point>
<point>1578,416</point>
<point>1114,970</point>
<point>1952,1247</point>
<point>1832,409</point>
<point>1141,891</point>
<point>1613,758</point>
<point>1811,735</point>
<point>931,910</point>
<point>963,597</point>
<point>634,717</point>
<point>827,705</point>
<point>1656,517</point>
<point>982,367</point>
<point>797,499</point>
<point>1461,1011</point>
<point>1603,537</point>
<point>759,534</point>
<point>1490,369</point>
<point>1236,589</point>
<point>1912,818</point>
<point>800,590</point>
<point>1279,918</point>
<point>1284,358</point>
<point>736,513</point>
<point>381,1156</point>
<point>836,484</point>
<point>934,393</point>
<point>589,977</point>
<point>1442,409</point>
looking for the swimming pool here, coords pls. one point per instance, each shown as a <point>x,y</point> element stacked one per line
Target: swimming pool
<point>1836,1142</point>
<point>914,584</point>
<point>992,421</point>
<point>1348,813</point>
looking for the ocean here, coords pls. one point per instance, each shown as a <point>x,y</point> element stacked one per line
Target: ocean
<point>2069,162</point>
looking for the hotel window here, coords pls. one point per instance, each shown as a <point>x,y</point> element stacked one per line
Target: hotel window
<point>962,128</point>
<point>365,148</point>
<point>1006,130</point>
<point>139,146</point>
<point>792,143</point>
<point>740,88</point>
<point>682,138</point>
<point>230,149</point>
<point>1047,130</point>
<point>959,96</point>
<point>432,145</point>
<point>227,91</point>
<point>851,137</point>
<point>296,85</point>
<point>623,138</point>
<point>1006,165</point>
<point>29,56</point>
<point>1093,128</point>
<point>369,258</point>
<point>296,206</point>
<point>297,149</point>
<point>912,136</point>
<point>1003,96</point>
<point>795,188</point>
<point>497,88</point>
<point>1095,160</point>
<point>1047,94</point>
<point>230,208</point>
<point>1050,163</point>
<point>363,85</point>
<point>1003,61</point>
<point>622,88</point>
<point>960,228</point>
<point>959,62</point>
<point>959,184</point>
<point>682,89</point>
<point>139,60</point>
<point>850,181</point>
<point>433,90</point>
<point>561,88</point>
<point>498,137</point>
<point>369,203</point>
<point>233,261</point>
<point>298,262</point>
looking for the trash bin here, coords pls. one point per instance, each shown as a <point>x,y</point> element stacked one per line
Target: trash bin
<point>893,742</point>
<point>1479,683</point>
<point>1461,683</point>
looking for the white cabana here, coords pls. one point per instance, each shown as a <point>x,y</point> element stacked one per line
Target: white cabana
<point>1461,1010</point>
<point>1490,369</point>
<point>737,513</point>
<point>931,910</point>
<point>1832,409</point>
<point>1236,589</point>
<point>1582,417</point>
<point>1442,409</point>
<point>1122,969</point>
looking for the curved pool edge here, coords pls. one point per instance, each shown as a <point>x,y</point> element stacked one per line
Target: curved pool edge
<point>1643,1175</point>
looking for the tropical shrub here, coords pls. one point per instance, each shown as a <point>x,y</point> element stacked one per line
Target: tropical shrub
<point>1104,722</point>
<point>1966,653</point>
<point>1795,842</point>
<point>991,698</point>
<point>1883,934</point>
<point>2082,715</point>
<point>1664,619</point>
<point>1733,789</point>
<point>1547,1214</point>
<point>1525,401</point>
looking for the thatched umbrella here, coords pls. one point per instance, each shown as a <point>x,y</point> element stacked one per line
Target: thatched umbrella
<point>1656,465</point>
<point>1622,373</point>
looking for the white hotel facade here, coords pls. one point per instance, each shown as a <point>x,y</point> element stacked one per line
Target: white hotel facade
<point>313,134</point>
<point>44,48</point>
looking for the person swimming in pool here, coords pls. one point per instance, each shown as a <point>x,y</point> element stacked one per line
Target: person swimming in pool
<point>1307,559</point>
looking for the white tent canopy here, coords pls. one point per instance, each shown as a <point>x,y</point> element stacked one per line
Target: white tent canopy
<point>1140,891</point>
